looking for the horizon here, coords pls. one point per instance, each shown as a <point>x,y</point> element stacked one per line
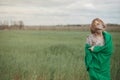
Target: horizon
<point>10,23</point>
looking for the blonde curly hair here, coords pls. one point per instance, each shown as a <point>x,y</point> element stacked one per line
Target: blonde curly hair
<point>97,24</point>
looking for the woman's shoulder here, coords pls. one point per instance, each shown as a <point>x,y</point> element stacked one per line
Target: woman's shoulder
<point>90,36</point>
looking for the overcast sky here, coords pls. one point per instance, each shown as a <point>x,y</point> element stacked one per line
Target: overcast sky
<point>52,12</point>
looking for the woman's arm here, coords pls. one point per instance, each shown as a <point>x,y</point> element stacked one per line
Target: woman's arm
<point>106,47</point>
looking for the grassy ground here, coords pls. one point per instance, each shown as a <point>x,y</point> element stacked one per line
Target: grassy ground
<point>48,55</point>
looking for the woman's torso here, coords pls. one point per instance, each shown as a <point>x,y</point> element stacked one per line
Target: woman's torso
<point>94,40</point>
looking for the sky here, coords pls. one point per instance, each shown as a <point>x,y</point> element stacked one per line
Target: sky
<point>57,12</point>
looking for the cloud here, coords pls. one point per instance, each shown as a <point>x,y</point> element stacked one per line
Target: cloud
<point>89,6</point>
<point>60,12</point>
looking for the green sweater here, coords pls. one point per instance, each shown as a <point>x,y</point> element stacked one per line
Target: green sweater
<point>99,58</point>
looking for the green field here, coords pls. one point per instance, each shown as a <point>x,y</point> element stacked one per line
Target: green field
<point>48,55</point>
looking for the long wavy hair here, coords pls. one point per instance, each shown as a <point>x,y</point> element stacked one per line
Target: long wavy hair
<point>95,23</point>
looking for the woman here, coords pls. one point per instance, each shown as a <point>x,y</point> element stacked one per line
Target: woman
<point>98,50</point>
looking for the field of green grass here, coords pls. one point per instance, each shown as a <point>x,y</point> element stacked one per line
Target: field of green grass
<point>48,55</point>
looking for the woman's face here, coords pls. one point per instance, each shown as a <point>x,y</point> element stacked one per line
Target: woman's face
<point>97,26</point>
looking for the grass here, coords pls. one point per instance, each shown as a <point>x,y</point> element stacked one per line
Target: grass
<point>48,55</point>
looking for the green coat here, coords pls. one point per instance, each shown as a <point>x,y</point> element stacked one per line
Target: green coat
<point>98,61</point>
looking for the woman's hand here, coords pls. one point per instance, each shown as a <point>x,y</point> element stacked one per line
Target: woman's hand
<point>91,48</point>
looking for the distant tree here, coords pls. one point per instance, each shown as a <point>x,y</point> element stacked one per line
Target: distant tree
<point>0,23</point>
<point>5,24</point>
<point>21,24</point>
<point>15,24</point>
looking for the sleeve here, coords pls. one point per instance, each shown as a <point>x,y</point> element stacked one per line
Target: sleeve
<point>88,56</point>
<point>89,40</point>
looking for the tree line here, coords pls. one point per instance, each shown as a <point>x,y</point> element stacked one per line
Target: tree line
<point>11,25</point>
